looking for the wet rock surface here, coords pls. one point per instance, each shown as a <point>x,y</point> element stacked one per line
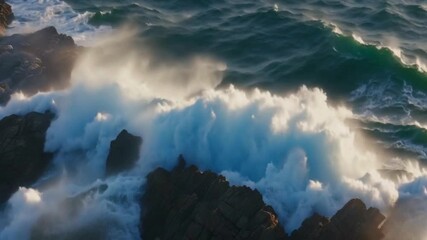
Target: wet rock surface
<point>6,16</point>
<point>353,222</point>
<point>35,62</point>
<point>124,152</point>
<point>188,204</point>
<point>311,228</point>
<point>22,156</point>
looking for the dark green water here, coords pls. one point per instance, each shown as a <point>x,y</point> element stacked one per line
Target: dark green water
<point>368,55</point>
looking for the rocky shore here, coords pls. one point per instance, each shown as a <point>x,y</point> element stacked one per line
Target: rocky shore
<point>30,63</point>
<point>22,156</point>
<point>184,203</point>
<point>39,61</point>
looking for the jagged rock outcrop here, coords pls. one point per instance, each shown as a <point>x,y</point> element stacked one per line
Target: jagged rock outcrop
<point>6,16</point>
<point>124,152</point>
<point>353,222</point>
<point>311,228</point>
<point>35,62</point>
<point>188,204</point>
<point>22,156</point>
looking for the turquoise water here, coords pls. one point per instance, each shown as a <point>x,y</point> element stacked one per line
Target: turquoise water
<point>369,55</point>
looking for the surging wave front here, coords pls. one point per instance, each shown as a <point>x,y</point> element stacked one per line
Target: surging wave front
<point>302,154</point>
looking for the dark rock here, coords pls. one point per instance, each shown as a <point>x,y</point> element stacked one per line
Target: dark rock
<point>352,222</point>
<point>35,62</point>
<point>311,228</point>
<point>22,156</point>
<point>188,204</point>
<point>124,152</point>
<point>6,16</point>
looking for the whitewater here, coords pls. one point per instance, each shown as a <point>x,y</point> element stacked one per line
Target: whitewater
<point>301,152</point>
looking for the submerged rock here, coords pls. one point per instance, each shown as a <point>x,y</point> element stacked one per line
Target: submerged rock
<point>6,16</point>
<point>22,156</point>
<point>188,204</point>
<point>35,62</point>
<point>124,152</point>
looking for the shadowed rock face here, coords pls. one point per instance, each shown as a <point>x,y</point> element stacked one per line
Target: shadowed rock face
<point>6,16</point>
<point>124,152</point>
<point>352,222</point>
<point>22,156</point>
<point>311,228</point>
<point>35,62</point>
<point>189,204</point>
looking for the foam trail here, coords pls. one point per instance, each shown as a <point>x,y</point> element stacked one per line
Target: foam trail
<point>34,14</point>
<point>298,151</point>
<point>392,44</point>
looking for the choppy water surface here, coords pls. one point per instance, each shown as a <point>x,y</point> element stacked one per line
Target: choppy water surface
<point>369,56</point>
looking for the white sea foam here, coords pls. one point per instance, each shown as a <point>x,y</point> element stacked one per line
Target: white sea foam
<point>32,15</point>
<point>393,44</point>
<point>296,150</point>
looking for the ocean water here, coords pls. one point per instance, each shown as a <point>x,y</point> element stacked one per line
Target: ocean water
<point>305,100</point>
<point>370,55</point>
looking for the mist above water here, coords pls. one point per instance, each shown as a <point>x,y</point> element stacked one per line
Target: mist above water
<point>297,150</point>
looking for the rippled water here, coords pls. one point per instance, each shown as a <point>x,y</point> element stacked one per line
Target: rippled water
<point>370,56</point>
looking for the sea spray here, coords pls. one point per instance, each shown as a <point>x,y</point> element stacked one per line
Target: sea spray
<point>34,15</point>
<point>297,150</point>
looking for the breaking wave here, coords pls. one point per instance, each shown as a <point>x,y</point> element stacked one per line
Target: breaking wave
<point>301,153</point>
